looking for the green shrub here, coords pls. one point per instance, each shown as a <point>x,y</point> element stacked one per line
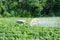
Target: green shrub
<point>6,14</point>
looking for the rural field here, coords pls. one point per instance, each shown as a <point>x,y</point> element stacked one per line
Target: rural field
<point>11,30</point>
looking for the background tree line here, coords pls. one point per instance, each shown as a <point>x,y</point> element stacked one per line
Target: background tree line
<point>29,8</point>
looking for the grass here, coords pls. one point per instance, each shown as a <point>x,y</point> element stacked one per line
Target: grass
<point>10,30</point>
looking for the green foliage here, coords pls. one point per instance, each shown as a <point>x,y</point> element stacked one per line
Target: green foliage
<point>32,8</point>
<point>51,6</point>
<point>6,14</point>
<point>12,13</point>
<point>26,14</point>
<point>10,30</point>
<point>0,16</point>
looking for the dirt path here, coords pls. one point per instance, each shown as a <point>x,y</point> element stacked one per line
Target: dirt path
<point>51,22</point>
